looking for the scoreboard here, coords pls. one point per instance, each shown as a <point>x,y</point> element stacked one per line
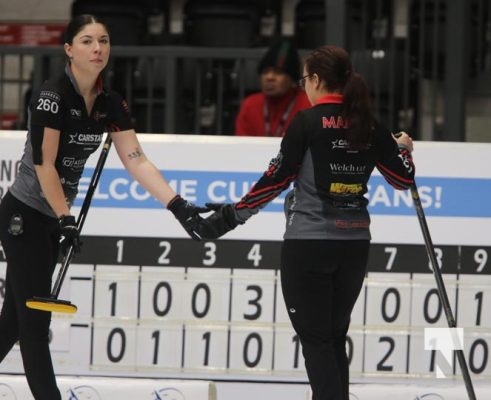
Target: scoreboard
<point>156,305</point>
<point>152,302</point>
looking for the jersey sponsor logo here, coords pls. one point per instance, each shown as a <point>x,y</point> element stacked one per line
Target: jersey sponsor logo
<point>355,224</point>
<point>406,161</point>
<point>345,188</point>
<point>334,122</point>
<point>99,116</point>
<point>76,113</point>
<point>85,138</point>
<point>74,163</point>
<point>341,168</point>
<point>48,94</point>
<point>340,144</point>
<point>274,164</point>
<point>69,184</point>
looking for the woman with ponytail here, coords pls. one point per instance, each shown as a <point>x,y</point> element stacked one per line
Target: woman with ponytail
<point>329,151</point>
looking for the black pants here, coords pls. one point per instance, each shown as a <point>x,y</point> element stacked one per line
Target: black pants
<point>31,259</point>
<point>321,280</point>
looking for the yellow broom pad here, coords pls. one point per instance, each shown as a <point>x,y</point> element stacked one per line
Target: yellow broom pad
<point>51,305</point>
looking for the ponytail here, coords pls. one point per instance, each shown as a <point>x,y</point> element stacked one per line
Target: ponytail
<point>357,110</point>
<point>333,66</point>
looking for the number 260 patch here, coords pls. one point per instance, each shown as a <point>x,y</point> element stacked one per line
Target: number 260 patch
<point>47,105</point>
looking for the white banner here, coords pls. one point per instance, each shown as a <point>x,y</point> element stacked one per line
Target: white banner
<point>454,181</point>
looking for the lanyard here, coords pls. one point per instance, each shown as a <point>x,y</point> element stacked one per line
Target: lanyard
<point>281,124</point>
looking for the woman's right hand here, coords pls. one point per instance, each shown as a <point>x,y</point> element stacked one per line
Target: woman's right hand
<point>70,236</point>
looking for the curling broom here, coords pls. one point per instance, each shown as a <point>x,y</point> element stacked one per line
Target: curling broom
<point>52,303</point>
<point>430,249</point>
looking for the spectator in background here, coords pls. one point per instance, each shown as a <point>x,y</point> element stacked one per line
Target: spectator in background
<point>268,112</point>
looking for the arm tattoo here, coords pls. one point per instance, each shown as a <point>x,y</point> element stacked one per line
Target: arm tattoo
<point>135,154</point>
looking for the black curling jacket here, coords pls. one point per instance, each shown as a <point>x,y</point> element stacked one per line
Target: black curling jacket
<point>330,179</point>
<point>59,105</point>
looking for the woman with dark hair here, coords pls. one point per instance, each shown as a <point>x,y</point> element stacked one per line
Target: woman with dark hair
<point>329,151</point>
<point>68,116</point>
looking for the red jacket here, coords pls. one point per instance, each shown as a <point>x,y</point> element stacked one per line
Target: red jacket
<point>250,120</point>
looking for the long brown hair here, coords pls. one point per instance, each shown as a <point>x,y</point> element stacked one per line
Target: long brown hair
<point>332,65</point>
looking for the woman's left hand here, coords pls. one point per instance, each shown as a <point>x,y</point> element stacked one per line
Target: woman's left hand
<point>404,140</point>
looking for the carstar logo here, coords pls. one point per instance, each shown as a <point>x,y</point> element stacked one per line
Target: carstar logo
<point>85,138</point>
<point>340,144</point>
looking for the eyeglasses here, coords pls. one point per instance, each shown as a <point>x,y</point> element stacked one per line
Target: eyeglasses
<point>301,81</point>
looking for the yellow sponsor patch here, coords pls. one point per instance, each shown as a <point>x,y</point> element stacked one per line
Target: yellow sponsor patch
<point>344,188</point>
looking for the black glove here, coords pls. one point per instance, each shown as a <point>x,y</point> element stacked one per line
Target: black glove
<point>223,220</point>
<point>187,214</point>
<point>69,233</point>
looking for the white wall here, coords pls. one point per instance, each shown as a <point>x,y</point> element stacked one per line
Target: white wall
<point>35,10</point>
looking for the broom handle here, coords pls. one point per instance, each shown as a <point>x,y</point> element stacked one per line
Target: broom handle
<point>441,287</point>
<point>83,214</point>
